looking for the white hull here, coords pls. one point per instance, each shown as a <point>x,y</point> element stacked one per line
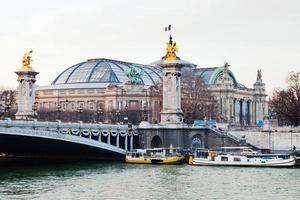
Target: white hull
<point>259,163</point>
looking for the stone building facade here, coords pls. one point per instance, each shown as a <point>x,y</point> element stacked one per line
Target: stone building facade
<point>106,87</point>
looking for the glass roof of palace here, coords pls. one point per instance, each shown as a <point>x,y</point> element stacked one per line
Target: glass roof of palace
<point>105,70</point>
<point>112,71</point>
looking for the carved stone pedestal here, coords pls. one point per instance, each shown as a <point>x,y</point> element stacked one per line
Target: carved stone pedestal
<point>25,94</point>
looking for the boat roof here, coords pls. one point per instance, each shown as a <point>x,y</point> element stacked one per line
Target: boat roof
<point>235,148</point>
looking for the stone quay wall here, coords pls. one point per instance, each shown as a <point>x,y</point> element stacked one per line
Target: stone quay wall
<point>276,140</point>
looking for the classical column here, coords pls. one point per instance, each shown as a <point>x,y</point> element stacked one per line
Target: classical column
<point>248,107</point>
<point>245,112</point>
<point>250,112</point>
<point>237,110</point>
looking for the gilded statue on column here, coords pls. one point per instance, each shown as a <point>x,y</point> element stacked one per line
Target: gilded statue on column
<point>171,49</point>
<point>27,59</point>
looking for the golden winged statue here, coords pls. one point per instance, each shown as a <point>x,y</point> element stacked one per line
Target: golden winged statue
<point>27,59</point>
<point>171,49</point>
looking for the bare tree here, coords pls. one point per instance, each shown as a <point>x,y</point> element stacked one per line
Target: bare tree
<point>197,102</point>
<point>156,93</point>
<point>286,102</point>
<point>7,103</point>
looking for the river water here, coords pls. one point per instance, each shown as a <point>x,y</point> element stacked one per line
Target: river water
<point>124,181</point>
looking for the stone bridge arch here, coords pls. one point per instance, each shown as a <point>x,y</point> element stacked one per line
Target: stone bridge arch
<point>156,142</point>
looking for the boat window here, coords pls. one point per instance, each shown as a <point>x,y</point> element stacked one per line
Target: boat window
<point>224,158</point>
<point>236,159</point>
<point>284,156</point>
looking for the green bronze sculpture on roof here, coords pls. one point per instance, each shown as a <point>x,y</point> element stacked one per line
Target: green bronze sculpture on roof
<point>134,76</point>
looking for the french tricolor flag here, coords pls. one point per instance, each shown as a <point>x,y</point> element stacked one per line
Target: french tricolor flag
<point>168,28</point>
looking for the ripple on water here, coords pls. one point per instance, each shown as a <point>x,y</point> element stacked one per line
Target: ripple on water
<point>121,181</point>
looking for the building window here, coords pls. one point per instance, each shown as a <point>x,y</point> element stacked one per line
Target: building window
<point>91,106</point>
<point>81,104</point>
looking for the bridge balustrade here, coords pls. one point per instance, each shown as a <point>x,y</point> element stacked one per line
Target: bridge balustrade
<point>94,132</point>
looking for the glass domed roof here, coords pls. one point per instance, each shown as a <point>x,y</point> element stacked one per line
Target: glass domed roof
<point>107,71</point>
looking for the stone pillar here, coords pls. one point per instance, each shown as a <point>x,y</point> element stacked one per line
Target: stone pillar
<point>237,111</point>
<point>253,112</point>
<point>171,112</point>
<point>26,94</point>
<point>260,95</point>
<point>245,111</point>
<point>241,111</point>
<point>250,112</point>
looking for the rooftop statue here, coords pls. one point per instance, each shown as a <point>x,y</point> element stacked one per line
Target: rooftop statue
<point>27,59</point>
<point>225,76</point>
<point>226,65</point>
<point>134,76</point>
<point>171,49</point>
<point>258,75</point>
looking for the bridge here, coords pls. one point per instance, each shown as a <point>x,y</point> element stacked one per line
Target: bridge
<point>57,140</point>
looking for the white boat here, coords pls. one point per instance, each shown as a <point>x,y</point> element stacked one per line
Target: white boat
<point>204,157</point>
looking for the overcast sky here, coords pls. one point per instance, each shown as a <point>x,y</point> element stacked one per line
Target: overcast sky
<point>248,34</point>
